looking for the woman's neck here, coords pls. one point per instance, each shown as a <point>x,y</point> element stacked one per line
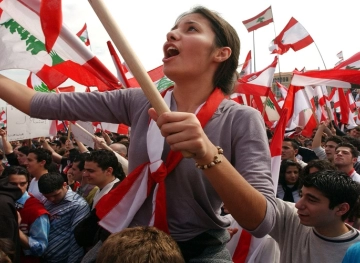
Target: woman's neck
<point>189,97</point>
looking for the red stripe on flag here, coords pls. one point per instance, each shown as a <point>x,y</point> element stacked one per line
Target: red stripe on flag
<point>242,249</point>
<point>51,21</point>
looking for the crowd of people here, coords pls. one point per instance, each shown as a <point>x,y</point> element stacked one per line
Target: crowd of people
<point>64,202</point>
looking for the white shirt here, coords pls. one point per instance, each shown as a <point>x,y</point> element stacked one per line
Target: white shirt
<point>34,190</point>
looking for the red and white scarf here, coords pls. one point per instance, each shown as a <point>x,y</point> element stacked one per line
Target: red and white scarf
<point>117,209</point>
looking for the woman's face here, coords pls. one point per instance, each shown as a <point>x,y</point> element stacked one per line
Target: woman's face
<point>291,175</point>
<point>189,49</point>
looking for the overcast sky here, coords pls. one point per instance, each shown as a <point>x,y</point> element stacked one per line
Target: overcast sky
<point>332,24</point>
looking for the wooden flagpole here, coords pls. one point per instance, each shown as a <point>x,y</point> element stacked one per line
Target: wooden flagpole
<point>131,59</point>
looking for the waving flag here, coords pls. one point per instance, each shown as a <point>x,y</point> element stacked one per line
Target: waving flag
<point>293,36</point>
<point>22,46</point>
<point>258,83</point>
<point>51,21</point>
<point>247,67</point>
<point>351,63</point>
<point>120,68</point>
<point>84,36</point>
<point>333,77</point>
<point>260,20</point>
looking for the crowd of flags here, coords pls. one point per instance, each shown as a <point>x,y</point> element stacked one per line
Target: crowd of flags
<point>38,40</point>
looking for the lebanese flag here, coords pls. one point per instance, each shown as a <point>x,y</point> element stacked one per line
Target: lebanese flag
<point>350,100</point>
<point>293,36</point>
<point>333,77</point>
<point>283,89</point>
<point>247,66</point>
<point>22,47</point>
<point>35,83</point>
<point>120,68</point>
<point>111,127</point>
<point>258,83</point>
<point>51,21</point>
<point>299,111</point>
<point>260,20</point>
<point>351,63</point>
<point>84,36</point>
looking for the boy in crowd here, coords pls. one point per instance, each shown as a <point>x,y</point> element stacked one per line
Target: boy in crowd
<point>313,229</point>
<point>66,210</point>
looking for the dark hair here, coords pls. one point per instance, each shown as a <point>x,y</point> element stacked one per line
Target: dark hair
<point>140,244</point>
<point>50,182</point>
<point>80,158</point>
<point>57,143</point>
<point>106,159</point>
<point>352,140</point>
<point>335,139</point>
<point>42,155</point>
<point>338,187</point>
<point>1,156</point>
<point>294,144</point>
<point>24,149</point>
<point>353,150</point>
<point>225,36</point>
<point>321,165</point>
<point>63,139</point>
<point>283,167</point>
<point>18,170</point>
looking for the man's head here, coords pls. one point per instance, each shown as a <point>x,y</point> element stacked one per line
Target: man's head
<point>21,155</point>
<point>139,244</point>
<point>77,168</point>
<point>38,161</point>
<point>289,149</point>
<point>119,148</point>
<point>53,187</point>
<point>101,167</point>
<point>56,145</point>
<point>17,176</point>
<point>330,144</point>
<point>354,132</point>
<point>318,165</point>
<point>345,156</point>
<point>327,198</point>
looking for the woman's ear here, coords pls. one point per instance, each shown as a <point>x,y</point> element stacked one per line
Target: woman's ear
<point>222,54</point>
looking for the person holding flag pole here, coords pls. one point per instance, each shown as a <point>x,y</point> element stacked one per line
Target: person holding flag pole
<point>215,134</point>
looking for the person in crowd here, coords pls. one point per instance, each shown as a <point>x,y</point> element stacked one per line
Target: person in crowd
<point>35,224</point>
<point>119,148</point>
<point>74,184</point>
<point>345,157</point>
<point>38,163</point>
<point>140,244</point>
<point>318,165</point>
<point>101,169</point>
<point>331,142</point>
<point>66,210</point>
<point>289,151</point>
<point>313,229</point>
<point>288,189</point>
<point>201,56</point>
<point>9,226</point>
<point>353,131</point>
<point>15,155</point>
<point>85,190</point>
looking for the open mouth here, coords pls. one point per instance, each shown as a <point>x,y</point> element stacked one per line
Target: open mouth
<point>171,52</point>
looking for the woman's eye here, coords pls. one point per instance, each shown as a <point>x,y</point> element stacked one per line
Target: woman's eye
<point>192,28</point>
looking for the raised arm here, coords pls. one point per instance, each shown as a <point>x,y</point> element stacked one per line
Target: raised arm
<point>8,149</point>
<point>16,94</point>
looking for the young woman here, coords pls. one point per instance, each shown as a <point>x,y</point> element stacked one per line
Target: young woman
<point>288,189</point>
<point>201,56</point>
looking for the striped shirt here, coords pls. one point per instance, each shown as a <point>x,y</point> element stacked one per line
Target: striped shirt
<point>64,217</point>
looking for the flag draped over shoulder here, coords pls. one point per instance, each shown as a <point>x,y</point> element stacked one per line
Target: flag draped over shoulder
<point>293,36</point>
<point>260,20</point>
<point>22,47</point>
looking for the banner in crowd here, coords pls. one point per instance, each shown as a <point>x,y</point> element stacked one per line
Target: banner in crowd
<point>21,126</point>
